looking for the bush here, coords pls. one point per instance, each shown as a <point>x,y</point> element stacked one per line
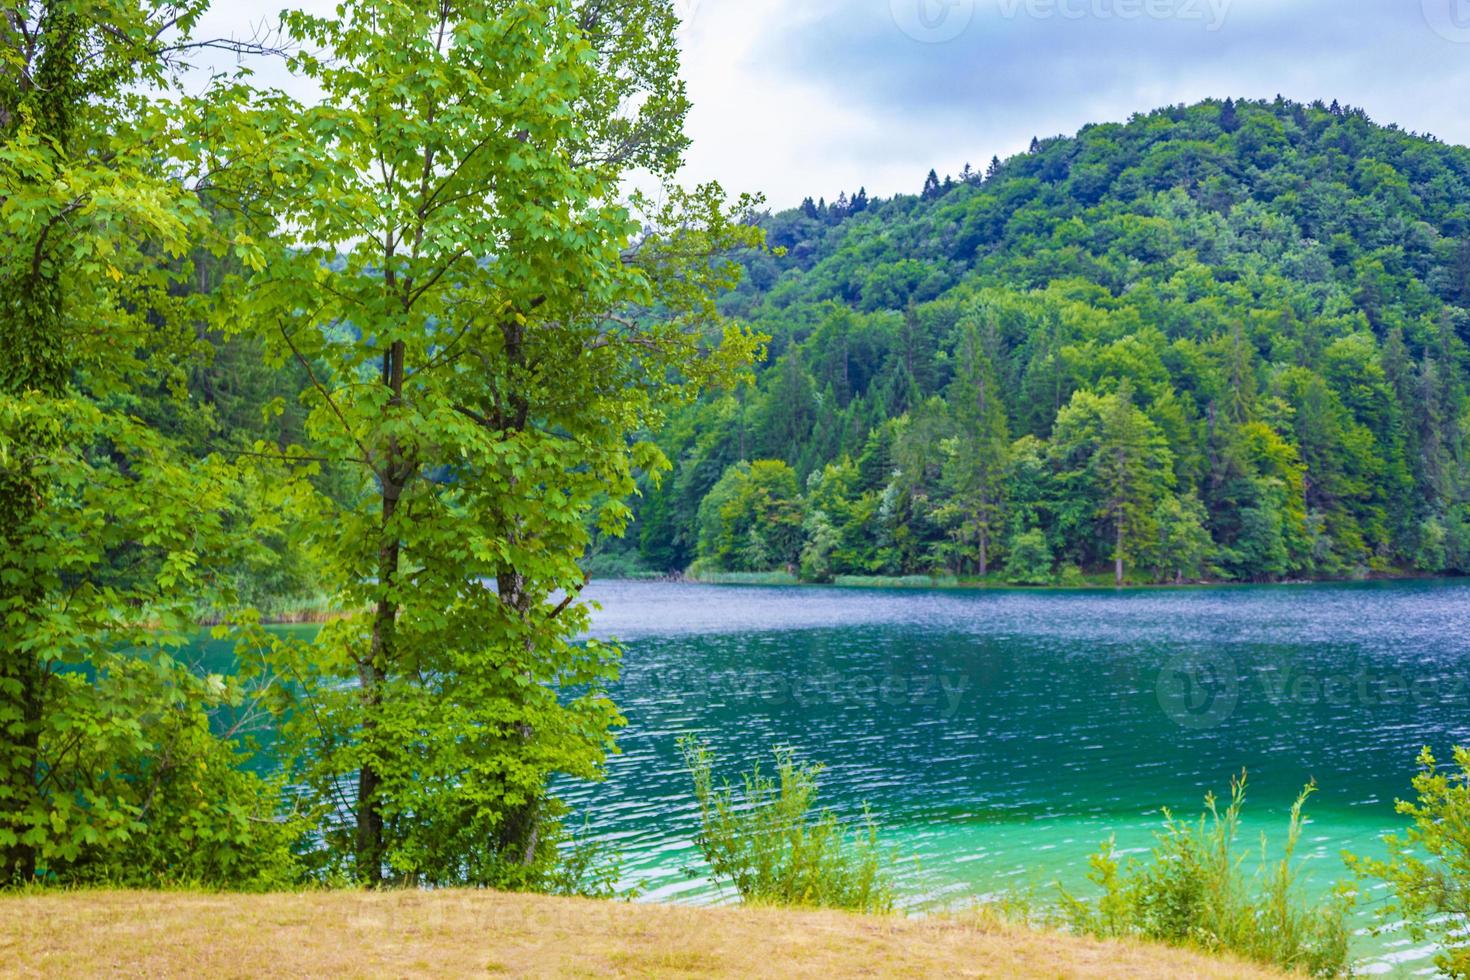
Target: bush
<point>768,842</point>
<point>1429,866</point>
<point>1029,561</point>
<point>1194,892</point>
<point>1071,577</point>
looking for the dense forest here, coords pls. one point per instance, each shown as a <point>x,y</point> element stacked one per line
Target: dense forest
<point>1221,341</point>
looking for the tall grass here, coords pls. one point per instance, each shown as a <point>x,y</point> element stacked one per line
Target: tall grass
<point>1196,892</point>
<point>741,578</point>
<point>768,840</point>
<point>897,581</point>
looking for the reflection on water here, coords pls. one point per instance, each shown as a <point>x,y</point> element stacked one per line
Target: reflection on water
<point>1001,736</point>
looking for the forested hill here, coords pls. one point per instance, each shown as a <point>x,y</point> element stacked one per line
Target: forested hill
<point>1218,341</point>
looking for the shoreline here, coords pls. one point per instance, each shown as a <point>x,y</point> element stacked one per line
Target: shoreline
<point>1096,584</point>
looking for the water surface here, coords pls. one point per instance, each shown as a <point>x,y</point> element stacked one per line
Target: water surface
<point>999,737</point>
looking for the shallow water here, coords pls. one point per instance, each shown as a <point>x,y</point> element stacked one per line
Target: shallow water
<point>1000,737</point>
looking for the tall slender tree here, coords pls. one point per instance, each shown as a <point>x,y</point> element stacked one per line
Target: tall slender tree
<point>978,463</point>
<point>1134,468</point>
<point>487,322</point>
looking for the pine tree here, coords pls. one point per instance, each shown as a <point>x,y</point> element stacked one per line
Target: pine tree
<point>1229,120</point>
<point>931,187</point>
<point>1133,468</point>
<point>978,461</point>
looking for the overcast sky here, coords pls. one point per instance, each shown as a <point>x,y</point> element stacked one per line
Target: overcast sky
<point>812,97</point>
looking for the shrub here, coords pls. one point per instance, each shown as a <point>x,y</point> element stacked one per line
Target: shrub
<point>1194,892</point>
<point>1029,561</point>
<point>769,842</point>
<point>1071,577</point>
<point>1429,866</point>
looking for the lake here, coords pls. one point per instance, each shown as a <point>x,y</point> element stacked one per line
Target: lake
<point>999,737</point>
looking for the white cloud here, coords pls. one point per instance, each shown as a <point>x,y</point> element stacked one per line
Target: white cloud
<point>812,98</point>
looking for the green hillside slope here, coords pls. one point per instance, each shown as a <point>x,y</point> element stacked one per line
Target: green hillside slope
<point>1218,341</point>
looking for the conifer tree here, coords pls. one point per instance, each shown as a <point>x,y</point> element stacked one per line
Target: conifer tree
<point>978,461</point>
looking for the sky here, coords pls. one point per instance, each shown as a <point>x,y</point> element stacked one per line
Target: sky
<point>797,98</point>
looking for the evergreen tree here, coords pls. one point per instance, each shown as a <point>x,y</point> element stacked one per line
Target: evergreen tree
<point>1134,468</point>
<point>977,467</point>
<point>1229,120</point>
<point>931,187</point>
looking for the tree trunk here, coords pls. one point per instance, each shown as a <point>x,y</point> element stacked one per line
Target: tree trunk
<point>520,829</point>
<point>1118,556</point>
<point>984,554</point>
<point>374,671</point>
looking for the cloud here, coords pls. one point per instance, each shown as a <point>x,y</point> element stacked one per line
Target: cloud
<point>1005,70</point>
<point>812,97</point>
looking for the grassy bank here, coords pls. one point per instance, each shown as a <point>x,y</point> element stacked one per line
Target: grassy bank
<point>474,933</point>
<point>1087,581</point>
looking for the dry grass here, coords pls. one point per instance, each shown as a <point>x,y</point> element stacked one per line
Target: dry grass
<point>479,933</point>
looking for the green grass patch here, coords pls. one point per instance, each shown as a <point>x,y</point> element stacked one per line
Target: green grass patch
<point>743,578</point>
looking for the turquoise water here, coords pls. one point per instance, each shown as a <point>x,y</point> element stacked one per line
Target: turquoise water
<point>999,737</point>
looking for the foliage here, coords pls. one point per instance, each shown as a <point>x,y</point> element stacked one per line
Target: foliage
<point>1029,561</point>
<point>487,325</point>
<point>1194,892</point>
<point>114,765</point>
<point>767,841</point>
<point>752,519</point>
<point>1280,291</point>
<point>1183,543</point>
<point>1429,864</point>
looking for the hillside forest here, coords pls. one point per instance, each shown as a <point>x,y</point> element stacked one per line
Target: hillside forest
<point>1224,341</point>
